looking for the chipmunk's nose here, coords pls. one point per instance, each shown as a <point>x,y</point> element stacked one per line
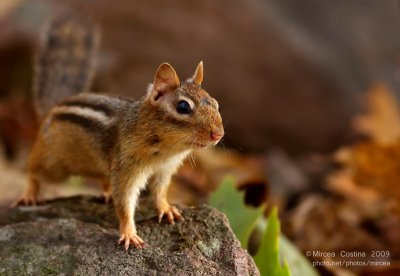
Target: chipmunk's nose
<point>216,135</point>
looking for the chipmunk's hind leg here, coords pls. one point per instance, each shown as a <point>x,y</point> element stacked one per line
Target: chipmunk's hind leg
<point>106,190</point>
<point>30,195</point>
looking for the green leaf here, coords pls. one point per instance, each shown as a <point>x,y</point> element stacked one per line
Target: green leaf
<point>298,263</point>
<point>230,201</point>
<point>244,220</point>
<point>267,257</point>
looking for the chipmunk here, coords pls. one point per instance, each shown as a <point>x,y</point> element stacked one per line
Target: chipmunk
<point>122,143</point>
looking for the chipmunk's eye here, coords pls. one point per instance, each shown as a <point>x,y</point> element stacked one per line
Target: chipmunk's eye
<point>183,107</point>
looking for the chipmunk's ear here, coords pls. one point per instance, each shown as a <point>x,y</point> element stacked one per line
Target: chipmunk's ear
<point>198,75</point>
<point>165,80</point>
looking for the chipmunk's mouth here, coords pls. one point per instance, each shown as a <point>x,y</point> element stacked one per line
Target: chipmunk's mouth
<point>198,145</point>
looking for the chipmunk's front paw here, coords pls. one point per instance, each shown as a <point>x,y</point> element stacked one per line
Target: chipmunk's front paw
<point>131,238</point>
<point>171,212</point>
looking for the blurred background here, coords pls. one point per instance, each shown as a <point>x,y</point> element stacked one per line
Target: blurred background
<point>309,96</point>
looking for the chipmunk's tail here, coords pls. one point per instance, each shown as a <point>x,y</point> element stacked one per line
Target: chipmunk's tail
<point>64,65</point>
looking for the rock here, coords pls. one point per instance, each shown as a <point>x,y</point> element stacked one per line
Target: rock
<point>79,236</point>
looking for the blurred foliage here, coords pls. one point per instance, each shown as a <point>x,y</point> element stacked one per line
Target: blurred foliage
<point>299,265</point>
<point>267,257</point>
<point>372,167</point>
<point>244,220</point>
<point>76,181</point>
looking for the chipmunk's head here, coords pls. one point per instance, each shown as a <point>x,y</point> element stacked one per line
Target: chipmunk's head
<point>188,113</point>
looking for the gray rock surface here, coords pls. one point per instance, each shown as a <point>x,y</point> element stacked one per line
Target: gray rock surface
<point>79,236</point>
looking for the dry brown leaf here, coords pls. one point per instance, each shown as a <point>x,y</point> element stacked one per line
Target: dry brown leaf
<point>382,120</point>
<point>369,179</point>
<point>371,169</point>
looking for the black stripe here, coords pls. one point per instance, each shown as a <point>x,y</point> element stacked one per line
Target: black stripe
<point>94,106</point>
<point>105,135</point>
<point>90,125</point>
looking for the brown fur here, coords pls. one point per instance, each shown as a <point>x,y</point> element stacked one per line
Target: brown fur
<point>125,143</point>
<point>64,62</point>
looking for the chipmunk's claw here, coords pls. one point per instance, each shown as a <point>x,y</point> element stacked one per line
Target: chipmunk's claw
<point>133,239</point>
<point>171,212</point>
<point>25,201</point>
<point>160,216</point>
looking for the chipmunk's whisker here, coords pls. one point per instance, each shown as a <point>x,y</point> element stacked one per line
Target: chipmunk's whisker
<point>223,146</point>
